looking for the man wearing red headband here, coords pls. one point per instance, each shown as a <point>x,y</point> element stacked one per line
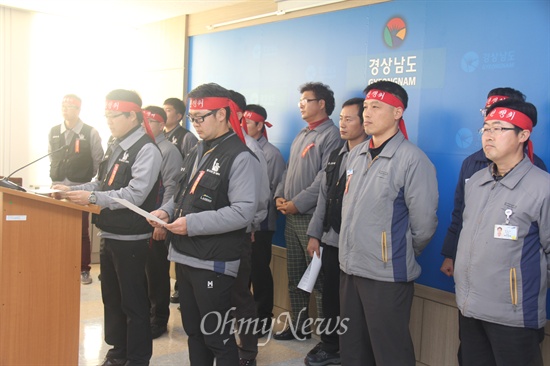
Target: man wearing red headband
<point>158,266</point>
<point>130,171</point>
<point>214,203</point>
<point>76,164</point>
<point>388,218</point>
<point>242,299</point>
<point>502,280</point>
<point>472,164</point>
<point>261,277</point>
<point>296,197</point>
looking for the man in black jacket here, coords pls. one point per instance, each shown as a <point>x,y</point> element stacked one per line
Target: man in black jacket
<point>215,202</point>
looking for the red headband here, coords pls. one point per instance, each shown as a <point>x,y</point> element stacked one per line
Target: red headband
<point>212,103</point>
<point>493,99</point>
<point>253,116</point>
<point>156,117</point>
<point>258,118</point>
<point>71,101</point>
<point>389,98</point>
<point>517,119</point>
<point>124,106</point>
<point>243,124</point>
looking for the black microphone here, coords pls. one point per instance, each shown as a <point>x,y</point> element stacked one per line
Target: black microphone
<point>7,184</point>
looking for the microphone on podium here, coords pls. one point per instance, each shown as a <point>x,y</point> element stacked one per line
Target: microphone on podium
<point>4,182</point>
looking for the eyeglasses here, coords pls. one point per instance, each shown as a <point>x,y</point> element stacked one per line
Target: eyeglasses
<point>113,116</point>
<point>200,119</point>
<point>305,101</point>
<point>494,130</point>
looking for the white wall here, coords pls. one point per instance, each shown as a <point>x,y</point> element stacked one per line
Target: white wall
<point>44,57</point>
<point>14,88</point>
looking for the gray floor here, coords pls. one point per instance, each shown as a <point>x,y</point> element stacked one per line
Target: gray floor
<point>171,348</point>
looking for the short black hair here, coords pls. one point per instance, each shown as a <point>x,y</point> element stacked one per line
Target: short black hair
<point>359,103</point>
<point>239,99</point>
<point>157,110</point>
<point>256,108</point>
<point>390,87</point>
<point>177,104</point>
<point>127,96</point>
<point>321,91</point>
<point>507,92</point>
<point>211,90</point>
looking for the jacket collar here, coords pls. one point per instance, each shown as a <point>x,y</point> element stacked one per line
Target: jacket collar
<point>76,129</point>
<point>161,137</point>
<point>262,141</point>
<point>323,126</point>
<point>511,179</point>
<point>391,147</point>
<point>131,139</point>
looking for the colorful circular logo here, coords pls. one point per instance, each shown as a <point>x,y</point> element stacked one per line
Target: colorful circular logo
<point>395,32</point>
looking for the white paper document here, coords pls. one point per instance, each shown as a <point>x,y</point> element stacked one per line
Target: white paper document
<point>44,191</point>
<point>310,275</point>
<point>138,210</point>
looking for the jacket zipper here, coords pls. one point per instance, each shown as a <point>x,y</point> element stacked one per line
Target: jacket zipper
<point>474,236</point>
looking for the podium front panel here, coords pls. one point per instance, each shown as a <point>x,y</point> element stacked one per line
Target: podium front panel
<point>39,281</point>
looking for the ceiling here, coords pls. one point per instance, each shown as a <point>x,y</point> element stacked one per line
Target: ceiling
<point>129,12</point>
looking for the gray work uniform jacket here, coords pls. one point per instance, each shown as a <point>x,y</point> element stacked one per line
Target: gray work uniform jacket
<point>275,170</point>
<point>309,154</point>
<point>500,280</point>
<point>388,212</point>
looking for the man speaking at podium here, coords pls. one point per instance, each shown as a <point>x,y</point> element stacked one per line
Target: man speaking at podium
<point>76,164</point>
<point>130,171</point>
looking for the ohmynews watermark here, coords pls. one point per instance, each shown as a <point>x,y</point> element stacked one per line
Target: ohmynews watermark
<point>258,327</point>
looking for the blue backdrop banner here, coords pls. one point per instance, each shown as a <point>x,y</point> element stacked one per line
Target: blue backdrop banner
<point>446,54</point>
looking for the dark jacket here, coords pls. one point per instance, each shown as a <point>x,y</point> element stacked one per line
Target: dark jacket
<point>75,161</point>
<point>205,191</point>
<point>124,221</point>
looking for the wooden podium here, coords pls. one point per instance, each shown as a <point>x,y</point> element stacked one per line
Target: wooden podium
<point>39,279</point>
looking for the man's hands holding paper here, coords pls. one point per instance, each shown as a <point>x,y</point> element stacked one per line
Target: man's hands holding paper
<point>179,226</point>
<point>60,195</point>
<point>78,197</point>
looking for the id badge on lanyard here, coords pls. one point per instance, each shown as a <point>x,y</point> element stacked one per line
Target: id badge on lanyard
<point>506,231</point>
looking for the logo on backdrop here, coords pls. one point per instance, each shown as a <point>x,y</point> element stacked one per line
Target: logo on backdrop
<point>395,32</point>
<point>494,60</point>
<point>464,138</point>
<point>399,68</point>
<point>470,62</point>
